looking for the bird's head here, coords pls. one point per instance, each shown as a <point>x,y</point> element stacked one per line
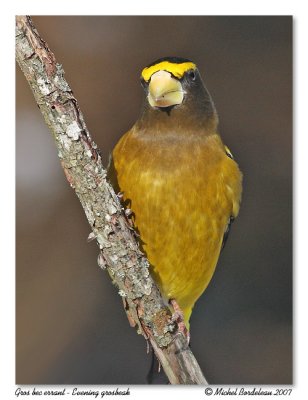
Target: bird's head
<point>175,83</point>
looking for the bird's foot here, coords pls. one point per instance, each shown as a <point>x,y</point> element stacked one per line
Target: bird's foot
<point>178,316</point>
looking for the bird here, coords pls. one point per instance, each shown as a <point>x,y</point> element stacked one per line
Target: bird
<point>180,181</point>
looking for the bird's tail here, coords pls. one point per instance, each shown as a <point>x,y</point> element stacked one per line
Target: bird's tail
<point>156,375</point>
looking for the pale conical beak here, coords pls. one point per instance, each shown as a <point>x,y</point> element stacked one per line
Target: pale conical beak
<point>164,90</point>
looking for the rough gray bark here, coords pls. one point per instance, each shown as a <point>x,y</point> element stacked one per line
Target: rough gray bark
<point>119,251</point>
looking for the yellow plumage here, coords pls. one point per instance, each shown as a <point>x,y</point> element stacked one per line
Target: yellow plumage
<point>183,187</point>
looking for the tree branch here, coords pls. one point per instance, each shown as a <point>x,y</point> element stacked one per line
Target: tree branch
<point>119,251</point>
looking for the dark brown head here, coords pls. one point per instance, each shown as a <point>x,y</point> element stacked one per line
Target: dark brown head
<point>174,91</point>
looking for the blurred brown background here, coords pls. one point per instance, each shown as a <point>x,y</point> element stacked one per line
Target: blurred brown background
<point>71,327</point>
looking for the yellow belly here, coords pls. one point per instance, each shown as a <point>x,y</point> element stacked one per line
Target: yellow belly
<point>182,200</point>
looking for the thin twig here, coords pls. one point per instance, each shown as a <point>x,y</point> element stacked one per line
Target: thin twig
<point>119,251</point>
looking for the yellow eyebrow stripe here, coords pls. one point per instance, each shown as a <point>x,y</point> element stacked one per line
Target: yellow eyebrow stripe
<point>175,69</point>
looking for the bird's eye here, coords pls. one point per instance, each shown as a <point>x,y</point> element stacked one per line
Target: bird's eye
<point>143,83</point>
<point>192,75</point>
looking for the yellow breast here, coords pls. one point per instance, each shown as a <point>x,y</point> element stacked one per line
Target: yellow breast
<point>182,195</point>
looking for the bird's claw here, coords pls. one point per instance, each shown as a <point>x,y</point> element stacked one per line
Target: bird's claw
<point>178,316</point>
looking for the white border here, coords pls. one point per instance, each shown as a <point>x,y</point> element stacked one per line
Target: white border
<point>7,208</point>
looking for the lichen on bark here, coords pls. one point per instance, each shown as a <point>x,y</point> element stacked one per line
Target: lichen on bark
<point>119,252</point>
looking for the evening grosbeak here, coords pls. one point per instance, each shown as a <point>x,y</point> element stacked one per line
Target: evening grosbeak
<point>179,179</point>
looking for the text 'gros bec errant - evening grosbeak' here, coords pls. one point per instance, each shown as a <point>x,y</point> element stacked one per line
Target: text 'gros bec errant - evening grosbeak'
<point>179,179</point>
